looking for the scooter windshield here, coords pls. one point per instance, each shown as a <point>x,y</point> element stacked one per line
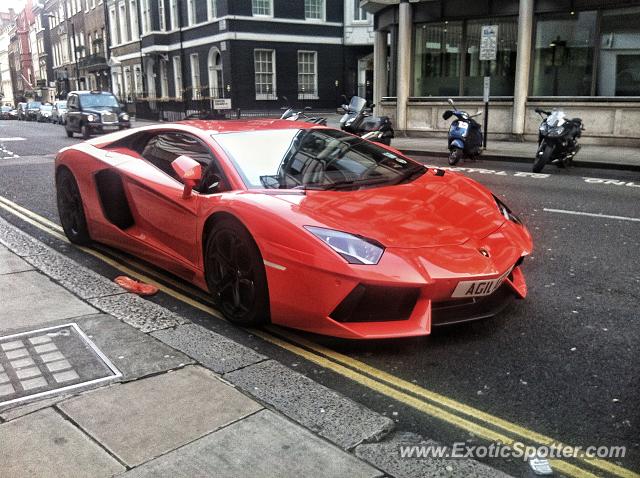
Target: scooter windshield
<point>556,118</point>
<point>357,104</point>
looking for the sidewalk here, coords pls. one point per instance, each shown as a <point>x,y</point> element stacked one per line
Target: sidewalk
<point>591,156</point>
<point>98,382</point>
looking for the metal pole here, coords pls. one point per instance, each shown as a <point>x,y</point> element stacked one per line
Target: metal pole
<point>75,54</point>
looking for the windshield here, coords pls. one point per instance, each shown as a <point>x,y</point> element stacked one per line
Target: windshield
<point>46,107</point>
<point>6,108</point>
<point>92,101</point>
<point>357,104</point>
<point>34,104</point>
<point>556,118</point>
<point>314,159</point>
<point>62,105</point>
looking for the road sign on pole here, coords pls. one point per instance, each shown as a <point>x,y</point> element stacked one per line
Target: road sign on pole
<point>487,88</point>
<point>489,42</point>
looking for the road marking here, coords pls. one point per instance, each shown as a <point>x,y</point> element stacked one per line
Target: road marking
<point>375,379</point>
<point>592,214</point>
<point>611,182</point>
<point>13,138</point>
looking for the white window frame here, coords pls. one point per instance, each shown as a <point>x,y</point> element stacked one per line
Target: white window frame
<point>133,19</point>
<point>212,9</point>
<point>196,81</point>
<point>113,26</point>
<point>253,9</point>
<point>323,12</point>
<point>162,16</point>
<point>192,17</point>
<point>314,95</point>
<point>122,23</point>
<point>173,13</point>
<point>358,10</point>
<point>266,96</point>
<point>164,79</point>
<point>177,76</point>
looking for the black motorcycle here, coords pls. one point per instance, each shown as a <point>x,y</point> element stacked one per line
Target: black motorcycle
<point>465,135</point>
<point>557,139</point>
<point>358,119</point>
<point>295,114</point>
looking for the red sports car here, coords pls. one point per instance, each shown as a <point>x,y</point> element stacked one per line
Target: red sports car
<point>298,224</point>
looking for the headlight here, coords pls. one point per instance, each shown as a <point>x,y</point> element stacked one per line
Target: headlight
<point>125,117</point>
<point>354,249</point>
<point>91,118</point>
<point>557,131</point>
<point>506,212</point>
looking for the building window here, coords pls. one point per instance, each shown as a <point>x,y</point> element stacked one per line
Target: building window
<point>146,16</point>
<point>563,55</point>
<point>212,10</point>
<point>265,78</point>
<point>262,8</point>
<point>619,60</point>
<point>177,76</point>
<point>214,64</point>
<point>164,79</point>
<point>138,80</point>
<point>133,19</point>
<point>437,59</point>
<point>195,75</point>
<point>359,15</point>
<point>122,23</point>
<point>314,9</point>
<point>173,6</point>
<point>191,12</point>
<point>502,70</point>
<point>163,24</point>
<point>307,75</point>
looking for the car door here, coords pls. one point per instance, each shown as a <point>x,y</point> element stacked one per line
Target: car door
<point>164,220</point>
<point>73,115</point>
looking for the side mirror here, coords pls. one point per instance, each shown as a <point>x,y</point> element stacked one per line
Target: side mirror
<point>189,171</point>
<point>372,105</point>
<point>447,114</point>
<point>450,101</point>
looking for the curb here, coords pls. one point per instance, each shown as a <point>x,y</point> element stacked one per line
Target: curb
<point>336,418</point>
<point>525,160</point>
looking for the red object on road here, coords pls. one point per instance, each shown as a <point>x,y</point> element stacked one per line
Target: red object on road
<point>135,286</point>
<point>298,224</point>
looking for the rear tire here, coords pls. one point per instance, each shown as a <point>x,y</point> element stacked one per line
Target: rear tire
<point>235,274</point>
<point>542,159</point>
<point>454,156</point>
<point>71,208</point>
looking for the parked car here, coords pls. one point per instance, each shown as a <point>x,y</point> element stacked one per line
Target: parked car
<point>94,112</point>
<point>33,107</point>
<point>5,112</point>
<point>370,243</point>
<point>44,114</point>
<point>59,112</point>
<point>22,111</point>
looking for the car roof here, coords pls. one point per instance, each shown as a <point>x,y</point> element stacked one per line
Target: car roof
<point>237,126</point>
<point>90,92</point>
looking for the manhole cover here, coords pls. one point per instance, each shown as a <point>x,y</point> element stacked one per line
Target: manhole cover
<point>48,361</point>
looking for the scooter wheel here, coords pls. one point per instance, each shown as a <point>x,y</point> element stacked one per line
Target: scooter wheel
<point>454,156</point>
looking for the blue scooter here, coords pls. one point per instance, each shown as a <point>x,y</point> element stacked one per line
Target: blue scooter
<point>465,135</point>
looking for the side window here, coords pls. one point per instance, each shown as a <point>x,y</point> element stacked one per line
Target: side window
<point>161,150</point>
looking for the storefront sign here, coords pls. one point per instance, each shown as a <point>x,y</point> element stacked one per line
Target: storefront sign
<point>222,104</point>
<point>489,42</point>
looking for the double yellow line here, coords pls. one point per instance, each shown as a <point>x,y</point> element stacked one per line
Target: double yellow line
<point>481,424</point>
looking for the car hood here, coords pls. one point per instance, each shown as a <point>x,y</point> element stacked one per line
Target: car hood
<point>431,211</point>
<point>102,109</point>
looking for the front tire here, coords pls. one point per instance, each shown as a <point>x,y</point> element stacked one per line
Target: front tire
<point>84,131</point>
<point>454,156</point>
<point>71,208</point>
<point>542,159</point>
<point>69,132</point>
<point>235,274</point>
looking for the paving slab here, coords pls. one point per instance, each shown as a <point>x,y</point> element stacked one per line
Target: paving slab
<point>212,350</point>
<point>30,299</point>
<point>138,312</point>
<point>322,410</point>
<point>19,242</point>
<point>264,445</point>
<point>386,456</point>
<point>141,420</point>
<point>9,262</point>
<point>45,445</point>
<point>81,281</point>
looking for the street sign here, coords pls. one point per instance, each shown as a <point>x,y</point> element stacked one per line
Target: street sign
<point>489,42</point>
<point>222,104</point>
<point>487,87</point>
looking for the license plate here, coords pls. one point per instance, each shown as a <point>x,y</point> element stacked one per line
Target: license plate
<point>463,125</point>
<point>110,127</point>
<point>478,288</point>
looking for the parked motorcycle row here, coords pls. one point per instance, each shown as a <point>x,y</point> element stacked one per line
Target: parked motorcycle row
<point>557,137</point>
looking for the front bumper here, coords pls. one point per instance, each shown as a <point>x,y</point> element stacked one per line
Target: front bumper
<point>406,294</point>
<point>101,128</point>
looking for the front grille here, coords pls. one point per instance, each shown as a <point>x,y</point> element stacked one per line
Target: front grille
<point>370,303</point>
<point>109,118</point>
<point>466,310</point>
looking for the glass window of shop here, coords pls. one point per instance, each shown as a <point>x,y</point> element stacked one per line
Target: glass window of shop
<point>563,55</point>
<point>437,59</point>
<point>619,57</point>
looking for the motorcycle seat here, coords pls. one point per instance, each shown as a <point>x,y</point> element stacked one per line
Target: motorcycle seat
<point>577,120</point>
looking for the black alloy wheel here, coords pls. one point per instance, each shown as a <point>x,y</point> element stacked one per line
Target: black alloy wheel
<point>235,274</point>
<point>70,208</point>
<point>454,156</point>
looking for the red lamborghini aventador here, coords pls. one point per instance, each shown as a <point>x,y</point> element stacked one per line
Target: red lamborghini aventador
<point>298,224</point>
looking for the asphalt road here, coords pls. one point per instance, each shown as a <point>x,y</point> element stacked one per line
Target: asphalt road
<point>564,362</point>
